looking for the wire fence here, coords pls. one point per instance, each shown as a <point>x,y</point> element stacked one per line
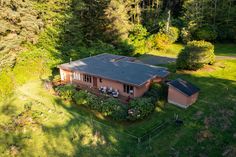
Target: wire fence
<point>145,137</point>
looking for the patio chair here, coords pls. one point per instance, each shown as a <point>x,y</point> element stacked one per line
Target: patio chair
<point>104,90</point>
<point>100,89</point>
<point>115,93</point>
<point>110,90</point>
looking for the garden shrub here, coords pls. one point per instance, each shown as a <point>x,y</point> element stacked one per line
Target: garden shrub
<point>153,93</point>
<point>140,108</point>
<point>113,108</point>
<point>94,102</point>
<point>161,41</point>
<point>66,92</point>
<point>173,34</point>
<point>80,97</point>
<point>206,33</point>
<point>186,35</point>
<point>195,55</point>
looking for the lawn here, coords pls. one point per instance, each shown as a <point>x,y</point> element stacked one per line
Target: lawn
<point>34,121</point>
<point>226,49</point>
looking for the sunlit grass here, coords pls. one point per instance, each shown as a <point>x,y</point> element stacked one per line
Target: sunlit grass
<point>226,49</point>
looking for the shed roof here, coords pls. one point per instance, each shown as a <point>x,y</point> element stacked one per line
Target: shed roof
<point>116,67</point>
<point>185,87</point>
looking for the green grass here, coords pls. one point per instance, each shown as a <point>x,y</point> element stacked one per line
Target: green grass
<point>172,51</point>
<point>57,128</point>
<point>220,50</point>
<point>225,49</point>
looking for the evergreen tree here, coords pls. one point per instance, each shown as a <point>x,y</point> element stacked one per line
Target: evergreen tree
<point>117,21</point>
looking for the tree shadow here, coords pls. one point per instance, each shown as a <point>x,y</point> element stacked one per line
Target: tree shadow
<point>156,60</point>
<point>214,111</point>
<point>86,136</point>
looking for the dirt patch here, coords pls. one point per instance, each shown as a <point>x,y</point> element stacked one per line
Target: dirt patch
<point>198,115</point>
<point>223,120</point>
<point>208,68</point>
<point>204,135</point>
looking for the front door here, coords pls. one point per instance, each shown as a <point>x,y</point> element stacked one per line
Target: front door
<point>95,83</point>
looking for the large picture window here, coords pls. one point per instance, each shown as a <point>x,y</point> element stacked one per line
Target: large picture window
<point>87,78</point>
<point>128,89</point>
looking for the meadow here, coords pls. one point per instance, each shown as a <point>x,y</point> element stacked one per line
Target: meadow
<point>35,121</point>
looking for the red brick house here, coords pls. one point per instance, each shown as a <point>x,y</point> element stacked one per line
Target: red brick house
<point>120,73</point>
<point>182,93</point>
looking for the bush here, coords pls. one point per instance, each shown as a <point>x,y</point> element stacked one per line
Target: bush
<point>94,102</point>
<point>140,108</point>
<point>80,97</point>
<point>185,35</point>
<point>173,34</point>
<point>161,41</point>
<point>112,107</point>
<point>153,93</point>
<point>137,38</point>
<point>195,55</point>
<point>206,33</point>
<point>66,92</point>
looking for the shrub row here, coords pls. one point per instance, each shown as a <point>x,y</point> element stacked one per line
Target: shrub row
<point>138,108</point>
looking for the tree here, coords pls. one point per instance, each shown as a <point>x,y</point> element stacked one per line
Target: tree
<point>195,55</point>
<point>117,24</point>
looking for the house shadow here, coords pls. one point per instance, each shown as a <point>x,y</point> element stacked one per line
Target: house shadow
<point>156,60</point>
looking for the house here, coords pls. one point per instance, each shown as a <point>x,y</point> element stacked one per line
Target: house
<point>182,93</point>
<point>123,74</point>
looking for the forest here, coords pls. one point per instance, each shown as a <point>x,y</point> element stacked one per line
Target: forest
<point>38,35</point>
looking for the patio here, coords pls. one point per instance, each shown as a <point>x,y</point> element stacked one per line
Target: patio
<point>97,92</point>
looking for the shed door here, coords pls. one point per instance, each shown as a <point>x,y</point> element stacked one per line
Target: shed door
<point>95,84</point>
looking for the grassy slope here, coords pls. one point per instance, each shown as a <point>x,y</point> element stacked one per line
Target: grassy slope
<point>66,130</point>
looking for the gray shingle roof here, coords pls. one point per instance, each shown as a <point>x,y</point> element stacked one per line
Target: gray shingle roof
<point>115,67</point>
<point>185,87</point>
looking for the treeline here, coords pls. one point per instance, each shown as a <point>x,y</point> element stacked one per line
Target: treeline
<point>87,23</point>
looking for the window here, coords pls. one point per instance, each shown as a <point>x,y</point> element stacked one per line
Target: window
<point>100,80</point>
<point>87,78</point>
<point>76,75</point>
<point>128,89</point>
<point>63,75</point>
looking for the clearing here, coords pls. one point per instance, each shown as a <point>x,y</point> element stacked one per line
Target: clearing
<point>34,121</point>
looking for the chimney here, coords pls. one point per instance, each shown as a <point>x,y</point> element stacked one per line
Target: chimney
<point>70,60</point>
